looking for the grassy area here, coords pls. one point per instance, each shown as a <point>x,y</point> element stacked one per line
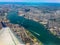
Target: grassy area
<point>35,40</point>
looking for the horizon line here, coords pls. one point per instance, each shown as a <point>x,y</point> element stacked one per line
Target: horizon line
<point>29,2</point>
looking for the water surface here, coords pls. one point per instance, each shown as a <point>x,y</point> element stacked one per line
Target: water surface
<point>37,29</point>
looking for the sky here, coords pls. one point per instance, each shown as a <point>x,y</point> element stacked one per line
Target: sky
<point>55,1</point>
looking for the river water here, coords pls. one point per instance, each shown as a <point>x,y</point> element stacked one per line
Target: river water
<point>37,29</point>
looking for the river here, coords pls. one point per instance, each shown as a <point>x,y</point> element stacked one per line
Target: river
<point>37,29</point>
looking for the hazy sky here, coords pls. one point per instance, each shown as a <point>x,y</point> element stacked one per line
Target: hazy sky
<point>58,1</point>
